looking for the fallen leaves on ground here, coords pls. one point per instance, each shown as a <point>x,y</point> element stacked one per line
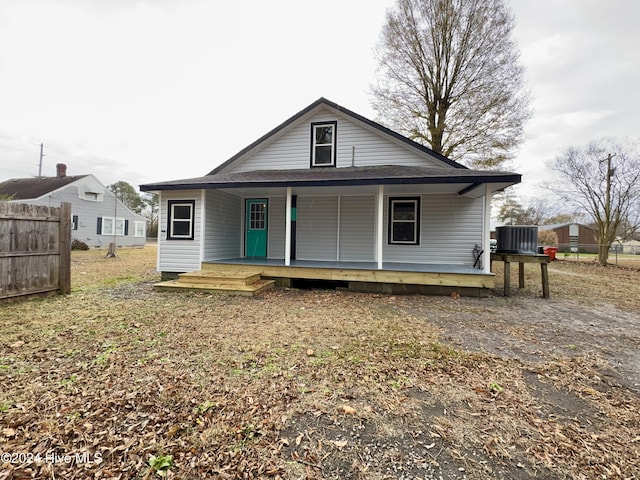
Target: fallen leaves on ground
<point>132,383</point>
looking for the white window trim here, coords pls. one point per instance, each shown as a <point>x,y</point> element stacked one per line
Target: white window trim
<point>136,224</point>
<point>314,127</point>
<point>171,220</point>
<point>415,221</point>
<point>92,197</point>
<point>114,223</point>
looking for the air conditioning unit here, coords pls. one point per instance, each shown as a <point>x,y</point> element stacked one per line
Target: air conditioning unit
<point>522,239</point>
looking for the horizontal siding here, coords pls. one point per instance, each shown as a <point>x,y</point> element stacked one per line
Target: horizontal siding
<point>223,226</point>
<point>357,228</point>
<point>317,228</point>
<point>88,212</point>
<point>275,242</point>
<point>179,255</point>
<point>450,228</point>
<point>292,150</point>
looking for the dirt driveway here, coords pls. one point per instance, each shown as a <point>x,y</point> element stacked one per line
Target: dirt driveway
<point>537,331</point>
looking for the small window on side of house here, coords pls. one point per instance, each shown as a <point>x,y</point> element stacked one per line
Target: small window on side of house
<point>139,229</point>
<point>180,219</point>
<point>404,221</point>
<point>323,144</point>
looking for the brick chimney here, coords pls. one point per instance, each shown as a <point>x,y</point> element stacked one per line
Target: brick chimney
<point>61,170</point>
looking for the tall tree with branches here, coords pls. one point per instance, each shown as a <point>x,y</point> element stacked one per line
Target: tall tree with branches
<point>127,194</point>
<point>450,78</point>
<point>603,180</point>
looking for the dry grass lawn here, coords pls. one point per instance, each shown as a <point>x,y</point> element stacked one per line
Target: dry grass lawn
<point>131,383</point>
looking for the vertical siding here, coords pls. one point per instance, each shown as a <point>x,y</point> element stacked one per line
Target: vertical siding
<point>292,150</point>
<point>317,228</point>
<point>357,228</point>
<point>31,243</point>
<point>450,227</point>
<point>179,255</point>
<point>275,242</point>
<point>223,226</point>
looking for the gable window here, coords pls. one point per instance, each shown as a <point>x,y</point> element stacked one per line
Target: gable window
<point>323,144</point>
<point>181,219</point>
<point>404,220</point>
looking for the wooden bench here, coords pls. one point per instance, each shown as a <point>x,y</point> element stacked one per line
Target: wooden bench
<point>508,258</point>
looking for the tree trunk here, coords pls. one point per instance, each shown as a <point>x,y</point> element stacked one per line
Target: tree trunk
<point>112,251</point>
<point>603,254</point>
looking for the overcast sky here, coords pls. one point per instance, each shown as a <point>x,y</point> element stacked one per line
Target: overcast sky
<point>153,90</point>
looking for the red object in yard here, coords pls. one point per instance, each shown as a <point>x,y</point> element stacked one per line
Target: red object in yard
<point>551,251</point>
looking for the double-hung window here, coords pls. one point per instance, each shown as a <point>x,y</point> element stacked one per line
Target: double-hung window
<point>181,219</point>
<point>139,229</point>
<point>112,226</point>
<point>323,144</point>
<point>404,220</point>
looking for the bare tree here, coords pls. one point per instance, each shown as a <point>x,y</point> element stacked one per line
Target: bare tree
<point>535,211</point>
<point>603,180</point>
<point>150,212</point>
<point>450,78</point>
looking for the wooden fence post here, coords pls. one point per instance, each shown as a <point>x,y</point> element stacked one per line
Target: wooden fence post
<point>65,248</point>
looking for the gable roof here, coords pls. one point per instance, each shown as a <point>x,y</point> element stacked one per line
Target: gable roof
<point>30,188</point>
<point>461,179</point>
<point>332,105</point>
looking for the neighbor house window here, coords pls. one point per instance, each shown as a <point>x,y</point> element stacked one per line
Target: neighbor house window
<point>404,220</point>
<point>181,219</point>
<point>113,226</point>
<point>323,144</point>
<point>74,222</point>
<point>139,229</point>
<point>91,196</point>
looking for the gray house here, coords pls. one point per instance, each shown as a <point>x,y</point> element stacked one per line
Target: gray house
<point>329,194</point>
<point>98,218</point>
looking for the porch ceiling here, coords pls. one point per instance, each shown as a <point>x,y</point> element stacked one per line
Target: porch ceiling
<point>365,179</point>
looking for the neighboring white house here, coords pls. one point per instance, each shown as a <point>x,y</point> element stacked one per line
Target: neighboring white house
<point>97,217</point>
<point>631,246</point>
<point>333,189</point>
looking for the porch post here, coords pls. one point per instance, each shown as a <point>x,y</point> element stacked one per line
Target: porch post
<point>380,209</point>
<point>287,230</point>
<point>203,221</point>
<point>486,230</point>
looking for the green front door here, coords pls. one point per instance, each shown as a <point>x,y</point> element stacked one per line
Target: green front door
<point>256,227</point>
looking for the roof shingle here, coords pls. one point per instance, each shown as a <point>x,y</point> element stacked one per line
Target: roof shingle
<point>29,188</point>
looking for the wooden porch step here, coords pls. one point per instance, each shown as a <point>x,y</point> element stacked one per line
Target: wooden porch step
<point>223,277</point>
<point>254,288</point>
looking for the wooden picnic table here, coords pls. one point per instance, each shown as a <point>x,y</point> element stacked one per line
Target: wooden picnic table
<point>508,258</point>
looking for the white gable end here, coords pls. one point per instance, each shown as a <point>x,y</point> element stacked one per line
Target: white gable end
<point>357,144</point>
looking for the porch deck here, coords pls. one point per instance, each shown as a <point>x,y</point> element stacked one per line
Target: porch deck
<point>394,277</point>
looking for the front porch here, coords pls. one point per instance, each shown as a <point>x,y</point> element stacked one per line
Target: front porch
<point>358,276</point>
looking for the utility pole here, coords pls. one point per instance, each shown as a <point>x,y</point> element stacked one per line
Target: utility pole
<point>41,155</point>
<point>607,211</point>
